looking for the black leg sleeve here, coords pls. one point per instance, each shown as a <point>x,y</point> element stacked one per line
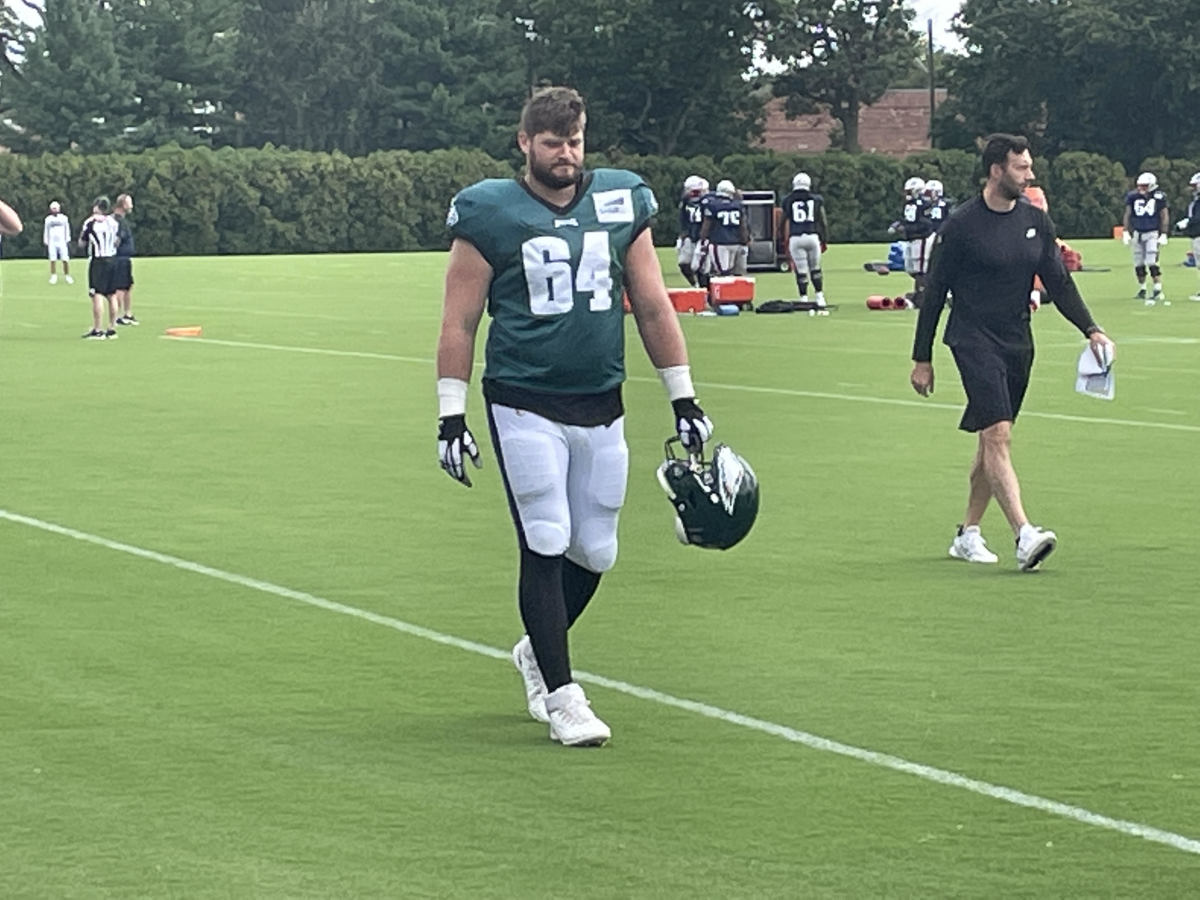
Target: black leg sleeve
<point>579,585</point>
<point>544,612</point>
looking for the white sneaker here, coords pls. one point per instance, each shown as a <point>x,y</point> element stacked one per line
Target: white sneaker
<point>69,279</point>
<point>1034,545</point>
<point>572,722</point>
<point>820,298</point>
<point>535,686</point>
<point>54,279</point>
<point>970,545</point>
<point>1194,297</point>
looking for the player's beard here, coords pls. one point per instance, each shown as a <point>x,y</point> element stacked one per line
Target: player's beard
<point>1011,188</point>
<point>546,175</point>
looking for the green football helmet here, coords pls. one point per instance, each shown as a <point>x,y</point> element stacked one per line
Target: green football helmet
<point>715,501</point>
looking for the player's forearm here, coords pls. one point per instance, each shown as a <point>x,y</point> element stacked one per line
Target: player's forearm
<point>662,337</point>
<point>455,354</point>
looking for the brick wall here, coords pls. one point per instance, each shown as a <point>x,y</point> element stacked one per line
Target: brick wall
<point>895,126</point>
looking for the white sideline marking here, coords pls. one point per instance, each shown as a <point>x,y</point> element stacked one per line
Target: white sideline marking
<point>788,392</point>
<point>321,351</point>
<point>812,741</point>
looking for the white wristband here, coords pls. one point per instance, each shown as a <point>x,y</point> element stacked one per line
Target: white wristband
<point>678,382</point>
<point>452,397</point>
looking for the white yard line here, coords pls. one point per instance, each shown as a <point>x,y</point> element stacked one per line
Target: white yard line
<point>795,736</point>
<point>786,392</point>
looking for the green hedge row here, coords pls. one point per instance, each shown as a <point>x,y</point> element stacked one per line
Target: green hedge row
<point>200,201</point>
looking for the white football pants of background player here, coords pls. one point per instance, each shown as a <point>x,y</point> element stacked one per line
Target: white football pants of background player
<point>566,482</point>
<point>805,251</point>
<point>57,250</point>
<point>728,259</point>
<point>1145,248</point>
<point>686,251</point>
<point>916,255</point>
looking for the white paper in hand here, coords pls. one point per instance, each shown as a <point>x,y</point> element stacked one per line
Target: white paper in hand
<point>1095,377</point>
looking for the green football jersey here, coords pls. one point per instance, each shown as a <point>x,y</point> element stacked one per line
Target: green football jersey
<point>558,277</point>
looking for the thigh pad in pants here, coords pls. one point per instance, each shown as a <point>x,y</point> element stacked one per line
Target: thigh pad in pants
<point>805,251</point>
<point>596,484</point>
<point>534,454</point>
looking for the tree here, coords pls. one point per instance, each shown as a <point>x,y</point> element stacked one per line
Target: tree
<point>1108,76</point>
<point>179,56</point>
<point>14,31</point>
<point>362,75</point>
<point>455,75</point>
<point>838,56</point>
<point>660,76</point>
<point>1003,79</point>
<point>308,70</point>
<point>70,91</point>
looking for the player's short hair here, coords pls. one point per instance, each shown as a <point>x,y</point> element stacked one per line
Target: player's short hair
<point>558,110</point>
<point>122,199</point>
<point>103,204</point>
<point>996,148</point>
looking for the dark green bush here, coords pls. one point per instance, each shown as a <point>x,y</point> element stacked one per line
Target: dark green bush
<point>200,201</point>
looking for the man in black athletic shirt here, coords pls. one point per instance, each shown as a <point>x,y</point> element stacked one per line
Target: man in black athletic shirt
<point>986,256</point>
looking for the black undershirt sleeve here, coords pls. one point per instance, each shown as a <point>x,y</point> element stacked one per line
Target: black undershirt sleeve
<point>1061,286</point>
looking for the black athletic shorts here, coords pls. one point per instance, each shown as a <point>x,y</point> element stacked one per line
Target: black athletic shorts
<point>122,273</point>
<point>994,378</point>
<point>100,276</point>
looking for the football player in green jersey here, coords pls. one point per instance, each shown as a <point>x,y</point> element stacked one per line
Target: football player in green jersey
<point>548,256</point>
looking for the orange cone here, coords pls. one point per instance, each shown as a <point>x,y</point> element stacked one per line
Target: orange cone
<point>185,331</point>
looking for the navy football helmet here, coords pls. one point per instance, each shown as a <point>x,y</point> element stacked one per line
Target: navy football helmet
<point>715,501</point>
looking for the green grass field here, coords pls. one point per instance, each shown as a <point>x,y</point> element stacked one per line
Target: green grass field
<point>253,642</point>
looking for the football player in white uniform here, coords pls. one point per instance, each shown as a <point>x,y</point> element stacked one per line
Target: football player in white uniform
<point>56,235</point>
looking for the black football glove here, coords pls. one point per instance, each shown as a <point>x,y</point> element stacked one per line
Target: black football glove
<point>454,442</point>
<point>691,424</point>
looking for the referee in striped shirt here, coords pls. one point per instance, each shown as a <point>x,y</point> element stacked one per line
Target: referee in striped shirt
<point>99,235</point>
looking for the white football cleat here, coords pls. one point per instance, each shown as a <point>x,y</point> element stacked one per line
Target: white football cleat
<point>54,279</point>
<point>69,279</point>
<point>572,722</point>
<point>535,686</point>
<point>970,545</point>
<point>1034,545</point>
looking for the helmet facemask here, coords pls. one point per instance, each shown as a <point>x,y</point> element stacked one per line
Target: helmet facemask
<point>715,501</point>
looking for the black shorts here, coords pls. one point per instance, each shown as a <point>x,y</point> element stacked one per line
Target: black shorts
<point>100,276</point>
<point>122,273</point>
<point>994,378</point>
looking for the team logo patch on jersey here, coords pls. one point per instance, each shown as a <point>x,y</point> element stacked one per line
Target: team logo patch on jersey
<point>1031,233</point>
<point>452,215</point>
<point>559,223</point>
<point>614,206</point>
